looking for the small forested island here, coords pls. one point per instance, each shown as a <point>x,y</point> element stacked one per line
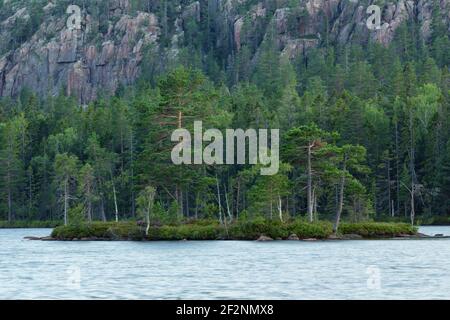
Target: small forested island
<point>256,229</point>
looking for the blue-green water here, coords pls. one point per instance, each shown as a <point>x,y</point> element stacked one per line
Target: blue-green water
<point>385,269</point>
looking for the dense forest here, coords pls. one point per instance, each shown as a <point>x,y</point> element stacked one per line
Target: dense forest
<point>364,133</point>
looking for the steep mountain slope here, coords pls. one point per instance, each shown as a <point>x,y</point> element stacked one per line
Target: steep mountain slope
<point>40,53</point>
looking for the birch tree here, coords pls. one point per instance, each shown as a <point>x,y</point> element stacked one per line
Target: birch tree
<point>351,159</point>
<point>145,202</point>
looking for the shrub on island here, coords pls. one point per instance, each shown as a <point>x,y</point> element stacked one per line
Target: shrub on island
<point>377,229</point>
<point>240,230</point>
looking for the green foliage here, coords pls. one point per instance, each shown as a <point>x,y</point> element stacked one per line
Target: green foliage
<point>76,216</point>
<point>188,232</point>
<point>252,229</point>
<point>173,214</point>
<point>241,230</point>
<point>100,230</point>
<point>374,229</point>
<point>319,230</point>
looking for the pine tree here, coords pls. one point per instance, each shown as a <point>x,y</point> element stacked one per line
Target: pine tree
<point>65,178</point>
<point>11,165</point>
<point>87,190</point>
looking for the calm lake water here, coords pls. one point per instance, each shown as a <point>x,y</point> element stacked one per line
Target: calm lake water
<point>385,269</point>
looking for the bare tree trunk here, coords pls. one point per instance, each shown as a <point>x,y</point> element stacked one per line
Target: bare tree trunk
<point>147,229</point>
<point>244,200</point>
<point>315,204</point>
<point>336,198</point>
<point>197,196</point>
<point>238,197</point>
<point>150,199</point>
<point>413,210</point>
<point>89,191</point>
<point>392,214</point>
<point>188,213</point>
<point>147,219</point>
<point>294,203</point>
<point>219,201</point>
<point>66,201</point>
<point>121,149</point>
<point>116,209</point>
<point>9,205</point>
<point>9,191</point>
<point>393,208</point>
<point>30,192</point>
<point>397,167</point>
<point>89,205</point>
<point>133,201</point>
<point>309,197</point>
<point>271,203</point>
<point>102,203</point>
<point>230,215</point>
<point>412,165</point>
<point>406,211</point>
<point>181,203</point>
<point>179,199</point>
<point>280,211</point>
<point>341,199</point>
<point>287,205</point>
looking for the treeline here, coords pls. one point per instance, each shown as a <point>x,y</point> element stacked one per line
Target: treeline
<point>365,134</point>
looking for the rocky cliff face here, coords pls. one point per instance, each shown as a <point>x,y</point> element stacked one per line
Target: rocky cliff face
<point>88,61</point>
<point>56,57</point>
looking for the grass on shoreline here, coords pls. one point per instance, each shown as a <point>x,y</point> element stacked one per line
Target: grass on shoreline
<point>243,230</point>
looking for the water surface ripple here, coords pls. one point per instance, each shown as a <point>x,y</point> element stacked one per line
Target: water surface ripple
<point>385,269</point>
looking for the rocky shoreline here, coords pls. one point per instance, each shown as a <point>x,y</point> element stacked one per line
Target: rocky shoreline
<point>263,238</point>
